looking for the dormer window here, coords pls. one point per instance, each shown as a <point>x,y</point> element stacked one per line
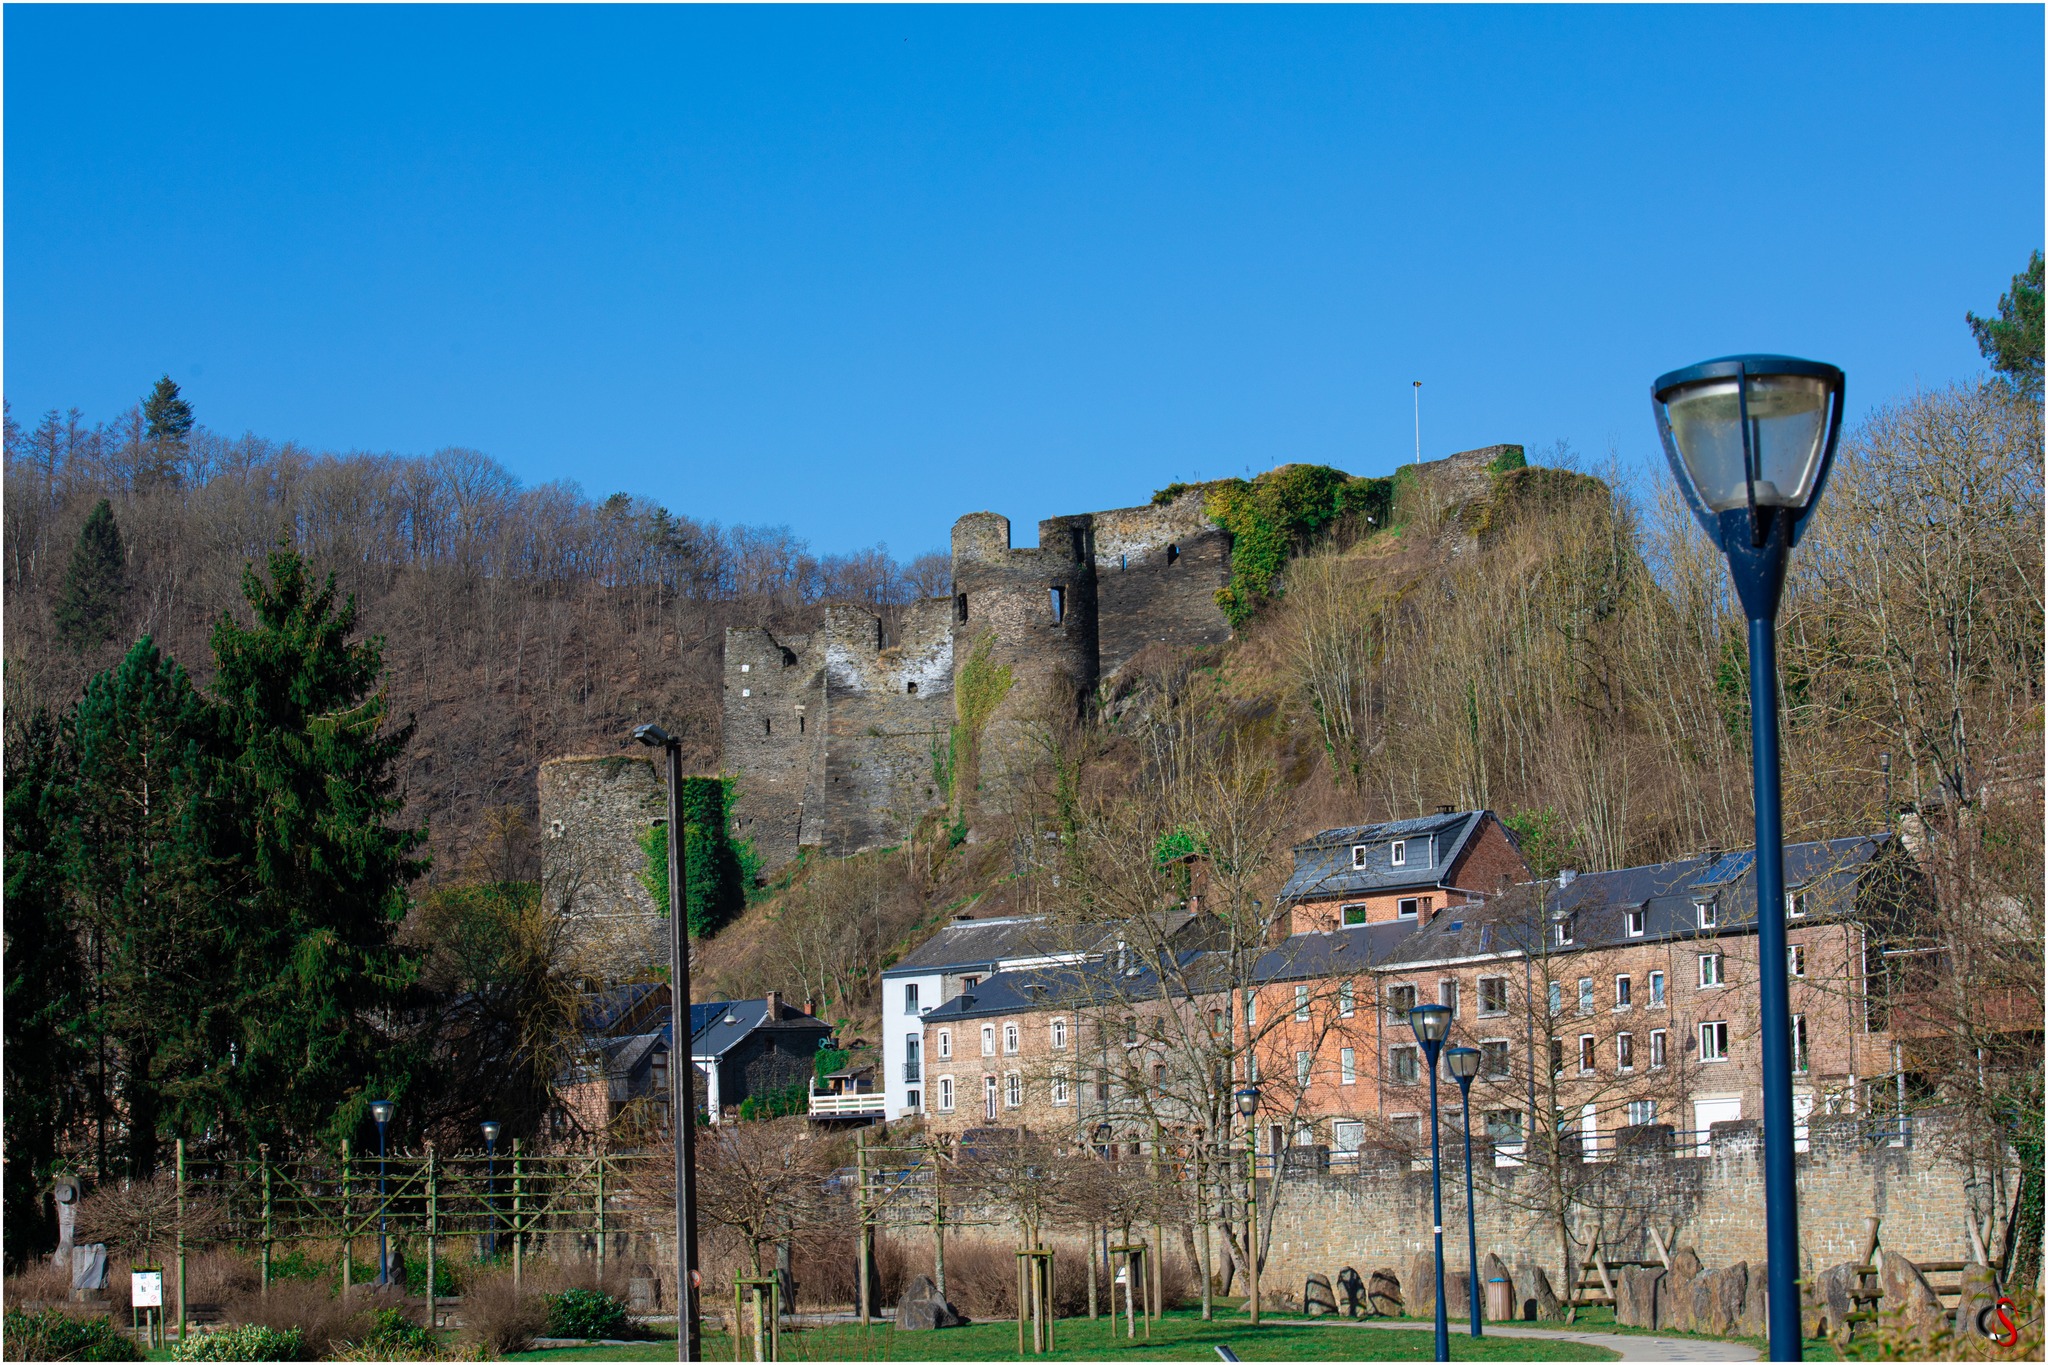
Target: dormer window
<point>1634,920</point>
<point>1397,853</point>
<point>1358,857</point>
<point>1707,913</point>
<point>1795,904</point>
<point>1564,931</point>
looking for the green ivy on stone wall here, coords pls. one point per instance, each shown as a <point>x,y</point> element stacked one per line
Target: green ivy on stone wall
<point>1272,516</point>
<point>717,869</point>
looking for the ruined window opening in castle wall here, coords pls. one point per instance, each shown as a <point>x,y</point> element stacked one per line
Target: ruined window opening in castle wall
<point>768,728</point>
<point>799,724</point>
<point>960,607</point>
<point>1172,555</point>
<point>911,690</point>
<point>1059,605</point>
<point>1080,546</point>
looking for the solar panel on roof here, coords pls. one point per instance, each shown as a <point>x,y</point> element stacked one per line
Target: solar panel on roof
<point>1729,867</point>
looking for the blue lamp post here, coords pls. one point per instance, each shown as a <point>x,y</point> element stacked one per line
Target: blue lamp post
<point>1248,1105</point>
<point>1432,1024</point>
<point>1750,439</point>
<point>1463,1064</point>
<point>491,1131</point>
<point>381,1111</point>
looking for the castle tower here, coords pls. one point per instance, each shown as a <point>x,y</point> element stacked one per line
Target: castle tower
<point>596,813</point>
<point>1027,616</point>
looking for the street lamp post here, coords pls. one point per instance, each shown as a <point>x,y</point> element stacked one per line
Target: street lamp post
<point>1248,1105</point>
<point>1463,1064</point>
<point>1432,1023</point>
<point>682,1108</point>
<point>491,1130</point>
<point>381,1111</point>
<point>1750,439</point>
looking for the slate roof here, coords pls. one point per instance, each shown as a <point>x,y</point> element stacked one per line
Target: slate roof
<point>1667,893</point>
<point>717,1037</point>
<point>1322,864</point>
<point>983,944</point>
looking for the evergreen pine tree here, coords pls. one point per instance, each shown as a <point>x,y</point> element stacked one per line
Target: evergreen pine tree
<point>42,1060</point>
<point>317,972</point>
<point>146,852</point>
<point>167,431</point>
<point>2012,340</point>
<point>88,606</point>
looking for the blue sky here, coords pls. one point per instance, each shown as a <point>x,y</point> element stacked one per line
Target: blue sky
<point>861,270</point>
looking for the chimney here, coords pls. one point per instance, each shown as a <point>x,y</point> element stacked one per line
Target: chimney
<point>1712,853</point>
<point>1444,810</point>
<point>1566,876</point>
<point>774,1007</point>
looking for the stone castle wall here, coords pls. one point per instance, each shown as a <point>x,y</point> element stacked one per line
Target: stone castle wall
<point>1157,572</point>
<point>594,814</point>
<point>774,712</point>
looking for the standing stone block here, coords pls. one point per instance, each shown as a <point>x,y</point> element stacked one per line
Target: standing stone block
<point>922,1309</point>
<point>1980,1291</point>
<point>1420,1282</point>
<point>1538,1298</point>
<point>1829,1303</point>
<point>1906,1290</point>
<point>1351,1293</point>
<point>1317,1297</point>
<point>1756,1319</point>
<point>1636,1296</point>
<point>1457,1295</point>
<point>1383,1294</point>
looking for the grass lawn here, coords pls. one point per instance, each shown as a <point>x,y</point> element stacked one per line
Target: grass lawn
<point>1180,1335</point>
<point>1600,1319</point>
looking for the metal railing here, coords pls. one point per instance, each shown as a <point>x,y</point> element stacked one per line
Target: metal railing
<point>913,1072</point>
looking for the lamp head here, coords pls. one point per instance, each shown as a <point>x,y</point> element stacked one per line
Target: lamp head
<point>653,736</point>
<point>491,1130</point>
<point>1462,1062</point>
<point>1432,1024</point>
<point>1248,1101</point>
<point>382,1110</point>
<point>1753,434</point>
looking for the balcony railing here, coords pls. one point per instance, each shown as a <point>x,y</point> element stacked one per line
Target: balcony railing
<point>849,1106</point>
<point>913,1072</point>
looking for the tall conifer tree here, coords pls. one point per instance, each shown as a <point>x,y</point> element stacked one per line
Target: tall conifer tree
<point>317,970</point>
<point>89,604</point>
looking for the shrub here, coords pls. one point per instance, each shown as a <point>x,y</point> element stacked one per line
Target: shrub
<point>248,1341</point>
<point>391,1330</point>
<point>587,1313</point>
<point>499,1318</point>
<point>309,1307</point>
<point>52,1334</point>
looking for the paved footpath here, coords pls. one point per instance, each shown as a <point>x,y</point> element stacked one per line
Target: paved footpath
<point>1629,1347</point>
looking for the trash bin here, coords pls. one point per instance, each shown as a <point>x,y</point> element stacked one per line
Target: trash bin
<point>1500,1300</point>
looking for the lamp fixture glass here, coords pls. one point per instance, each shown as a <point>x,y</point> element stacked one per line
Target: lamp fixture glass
<point>1754,431</point>
<point>491,1130</point>
<point>1432,1023</point>
<point>652,735</point>
<point>382,1110</point>
<point>1248,1101</point>
<point>1462,1062</point>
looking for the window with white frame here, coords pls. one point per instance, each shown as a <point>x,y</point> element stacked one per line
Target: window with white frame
<point>1251,1068</point>
<point>1642,1113</point>
<point>1447,994</point>
<point>1397,853</point>
<point>1302,1066</point>
<point>1059,1035</point>
<point>1406,907</point>
<point>1624,992</point>
<point>1351,916</point>
<point>1656,990</point>
<point>1011,1039</point>
<point>1707,912</point>
<point>1504,1125</point>
<point>1493,995</point>
<point>1625,1051</point>
<point>1347,1136</point>
<point>910,998</point>
<point>1300,1009</point>
<point>1589,1054</point>
<point>1400,1000</point>
<point>1347,999</point>
<point>945,1094</point>
<point>1494,1058</point>
<point>1557,997</point>
<point>1062,1092</point>
<point>1799,1060</point>
<point>1585,995</point>
<point>1657,1037</point>
<point>1564,931</point>
<point>988,1040</point>
<point>1251,1010</point>
<point>1358,857</point>
<point>945,1043</point>
<point>1347,1068</point>
<point>1714,1041</point>
<point>1710,971</point>
<point>1795,959</point>
<point>1634,921</point>
<point>1013,1090</point>
<point>1406,1063</point>
<point>1796,904</point>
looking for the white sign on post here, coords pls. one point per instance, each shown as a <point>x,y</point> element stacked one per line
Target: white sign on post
<point>146,1288</point>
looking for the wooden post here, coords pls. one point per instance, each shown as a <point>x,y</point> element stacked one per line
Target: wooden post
<point>518,1226</point>
<point>1663,1252</point>
<point>181,1239</point>
<point>263,1159</point>
<point>433,1232</point>
<point>1870,1227</point>
<point>600,1217</point>
<point>1094,1311</point>
<point>347,1226</point>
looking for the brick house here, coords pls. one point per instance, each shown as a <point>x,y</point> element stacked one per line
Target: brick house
<point>1400,870</point>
